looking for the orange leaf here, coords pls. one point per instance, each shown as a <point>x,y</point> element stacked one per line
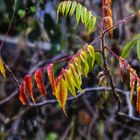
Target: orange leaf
<point>29,86</point>
<point>39,82</point>
<point>50,73</point>
<point>109,23</point>
<point>108,2</point>
<point>138,98</point>
<point>61,92</point>
<point>132,82</point>
<point>23,96</point>
<point>107,11</point>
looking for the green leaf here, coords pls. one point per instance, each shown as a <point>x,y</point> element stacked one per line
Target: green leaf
<point>70,82</point>
<point>73,6</point>
<point>64,7</point>
<point>98,58</point>
<point>91,24</point>
<point>52,136</point>
<point>138,49</point>
<point>77,63</point>
<point>127,48</point>
<point>129,45</point>
<point>92,53</point>
<point>68,7</point>
<point>88,17</point>
<point>78,12</point>
<point>76,78</point>
<point>59,8</point>
<point>83,56</point>
<point>136,37</point>
<point>21,13</point>
<point>83,16</point>
<point>33,9</point>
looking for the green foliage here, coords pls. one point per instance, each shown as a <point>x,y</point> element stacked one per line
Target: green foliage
<point>21,13</point>
<point>98,58</point>
<point>33,9</point>
<point>81,13</point>
<point>138,49</point>
<point>69,78</point>
<point>52,136</point>
<point>129,45</point>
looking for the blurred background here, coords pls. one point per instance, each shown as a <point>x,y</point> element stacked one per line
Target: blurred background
<point>35,39</point>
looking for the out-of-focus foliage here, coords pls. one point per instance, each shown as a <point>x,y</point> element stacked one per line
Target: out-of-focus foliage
<point>37,39</point>
<point>134,42</point>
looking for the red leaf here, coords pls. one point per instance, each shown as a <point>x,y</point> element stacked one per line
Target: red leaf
<point>29,86</point>
<point>23,96</point>
<point>50,73</point>
<point>39,82</point>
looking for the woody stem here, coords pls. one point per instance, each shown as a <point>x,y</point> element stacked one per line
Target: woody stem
<point>108,73</point>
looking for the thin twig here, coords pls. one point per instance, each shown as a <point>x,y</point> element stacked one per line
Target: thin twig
<point>82,93</point>
<point>86,90</point>
<point>133,118</point>
<point>8,98</point>
<point>13,75</point>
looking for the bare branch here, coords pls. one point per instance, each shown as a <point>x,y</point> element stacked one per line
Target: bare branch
<point>82,93</point>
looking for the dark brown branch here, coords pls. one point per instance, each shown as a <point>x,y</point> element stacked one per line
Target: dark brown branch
<point>108,73</point>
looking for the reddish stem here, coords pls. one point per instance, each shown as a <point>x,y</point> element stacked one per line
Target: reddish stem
<point>103,14</point>
<point>124,62</point>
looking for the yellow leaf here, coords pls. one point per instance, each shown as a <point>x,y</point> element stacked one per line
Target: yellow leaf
<point>83,56</point>
<point>92,53</point>
<point>133,76</point>
<point>2,70</point>
<point>76,78</point>
<point>61,93</point>
<point>138,98</point>
<point>70,82</point>
<point>77,64</point>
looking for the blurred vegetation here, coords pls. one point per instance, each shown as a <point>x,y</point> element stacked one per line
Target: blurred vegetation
<point>35,39</point>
